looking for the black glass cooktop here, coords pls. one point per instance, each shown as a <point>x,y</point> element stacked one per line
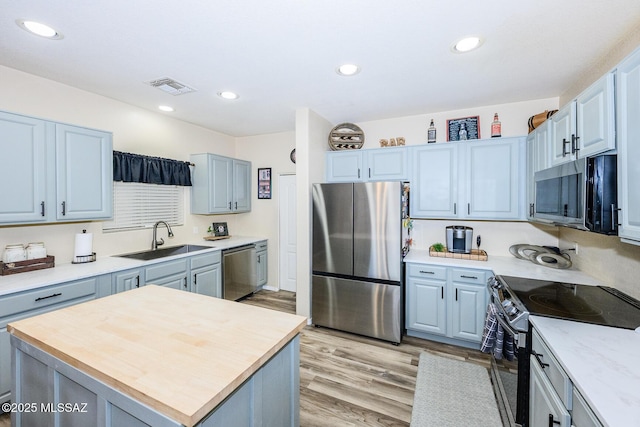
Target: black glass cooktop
<point>592,304</point>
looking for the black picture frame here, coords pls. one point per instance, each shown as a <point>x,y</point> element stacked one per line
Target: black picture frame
<point>264,183</point>
<point>464,128</point>
<point>220,229</point>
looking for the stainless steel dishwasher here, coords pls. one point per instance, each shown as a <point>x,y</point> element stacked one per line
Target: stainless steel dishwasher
<point>239,271</point>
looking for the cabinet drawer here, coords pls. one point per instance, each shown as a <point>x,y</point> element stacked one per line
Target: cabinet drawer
<point>207,259</point>
<point>165,269</point>
<point>552,370</point>
<point>427,271</point>
<point>43,297</point>
<point>470,276</point>
<point>261,246</point>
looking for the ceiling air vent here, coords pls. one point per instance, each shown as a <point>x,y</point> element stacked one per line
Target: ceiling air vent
<point>171,86</point>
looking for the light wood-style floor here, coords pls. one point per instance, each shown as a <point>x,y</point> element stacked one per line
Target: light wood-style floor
<point>349,380</point>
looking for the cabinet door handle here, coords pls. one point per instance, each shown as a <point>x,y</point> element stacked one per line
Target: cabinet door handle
<point>229,205</point>
<point>552,421</point>
<point>195,279</point>
<point>442,292</point>
<point>236,205</point>
<point>468,208</point>
<point>469,277</point>
<point>369,172</point>
<point>42,208</point>
<point>427,272</point>
<point>564,143</point>
<point>454,209</point>
<point>259,256</point>
<point>358,173</point>
<point>137,281</point>
<point>456,294</point>
<point>539,359</point>
<point>64,208</point>
<point>530,209</point>
<point>574,144</point>
<point>185,282</point>
<point>50,296</point>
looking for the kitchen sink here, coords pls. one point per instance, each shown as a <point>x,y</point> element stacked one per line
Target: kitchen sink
<point>164,252</point>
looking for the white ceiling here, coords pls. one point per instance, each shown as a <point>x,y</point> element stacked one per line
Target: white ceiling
<point>281,54</point>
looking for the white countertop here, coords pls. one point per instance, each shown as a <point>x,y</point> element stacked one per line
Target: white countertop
<point>103,265</point>
<point>602,362</point>
<point>506,266</point>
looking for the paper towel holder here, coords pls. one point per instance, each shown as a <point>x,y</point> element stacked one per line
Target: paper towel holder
<point>81,259</point>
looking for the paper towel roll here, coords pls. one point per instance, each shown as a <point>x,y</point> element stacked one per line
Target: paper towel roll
<point>84,244</point>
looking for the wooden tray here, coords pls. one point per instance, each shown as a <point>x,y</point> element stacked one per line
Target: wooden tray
<point>216,237</point>
<point>27,265</point>
<point>475,255</point>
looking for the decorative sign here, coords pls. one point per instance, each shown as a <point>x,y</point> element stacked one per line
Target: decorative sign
<point>463,129</point>
<point>264,183</point>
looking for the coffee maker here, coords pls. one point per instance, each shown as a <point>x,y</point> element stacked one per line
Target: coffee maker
<point>459,239</point>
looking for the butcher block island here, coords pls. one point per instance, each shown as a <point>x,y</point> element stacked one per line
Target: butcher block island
<point>159,357</point>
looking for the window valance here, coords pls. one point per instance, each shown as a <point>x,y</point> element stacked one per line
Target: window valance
<point>129,167</point>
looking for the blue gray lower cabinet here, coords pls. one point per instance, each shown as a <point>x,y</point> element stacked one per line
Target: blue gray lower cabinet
<point>49,392</point>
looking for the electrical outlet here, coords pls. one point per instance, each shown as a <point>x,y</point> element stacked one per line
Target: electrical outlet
<point>195,230</point>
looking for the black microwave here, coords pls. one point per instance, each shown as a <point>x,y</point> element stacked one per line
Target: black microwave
<point>580,194</point>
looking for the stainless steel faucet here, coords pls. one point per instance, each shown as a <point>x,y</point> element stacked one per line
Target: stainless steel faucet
<point>155,242</point>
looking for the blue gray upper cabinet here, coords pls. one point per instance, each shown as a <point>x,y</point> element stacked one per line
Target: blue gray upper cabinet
<point>54,172</point>
<point>220,185</point>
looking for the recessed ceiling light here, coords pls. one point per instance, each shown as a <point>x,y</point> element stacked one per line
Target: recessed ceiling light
<point>39,29</point>
<point>466,44</point>
<point>165,108</point>
<point>348,70</point>
<point>228,95</point>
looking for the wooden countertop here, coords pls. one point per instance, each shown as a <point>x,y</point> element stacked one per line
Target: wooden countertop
<point>178,352</point>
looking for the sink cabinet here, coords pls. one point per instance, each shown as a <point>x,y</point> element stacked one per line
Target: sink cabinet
<point>172,274</point>
<point>38,301</point>
<point>221,185</point>
<point>446,304</point>
<point>56,172</point>
<point>206,274</point>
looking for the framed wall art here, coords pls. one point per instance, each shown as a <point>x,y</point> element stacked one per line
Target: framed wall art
<point>463,129</point>
<point>264,183</point>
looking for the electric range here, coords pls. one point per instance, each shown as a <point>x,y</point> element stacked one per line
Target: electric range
<point>515,298</point>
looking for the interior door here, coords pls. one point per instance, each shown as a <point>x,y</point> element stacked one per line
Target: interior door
<point>333,228</point>
<point>288,233</point>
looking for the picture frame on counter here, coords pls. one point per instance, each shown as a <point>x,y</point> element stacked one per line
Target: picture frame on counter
<point>464,128</point>
<point>220,229</point>
<point>264,183</point>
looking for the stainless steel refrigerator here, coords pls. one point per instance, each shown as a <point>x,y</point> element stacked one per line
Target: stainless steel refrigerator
<point>357,281</point>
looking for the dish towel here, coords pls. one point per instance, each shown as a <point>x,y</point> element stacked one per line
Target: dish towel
<point>494,338</point>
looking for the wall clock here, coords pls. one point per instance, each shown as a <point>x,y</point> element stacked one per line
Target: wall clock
<point>292,156</point>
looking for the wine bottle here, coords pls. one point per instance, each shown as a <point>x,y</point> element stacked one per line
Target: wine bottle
<point>496,127</point>
<point>431,133</point>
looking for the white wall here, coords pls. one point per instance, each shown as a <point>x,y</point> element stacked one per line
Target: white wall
<point>496,236</point>
<point>134,130</point>
<point>265,151</point>
<point>513,116</point>
<point>311,144</point>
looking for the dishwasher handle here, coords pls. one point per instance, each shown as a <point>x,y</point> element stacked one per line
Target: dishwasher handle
<point>238,249</point>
